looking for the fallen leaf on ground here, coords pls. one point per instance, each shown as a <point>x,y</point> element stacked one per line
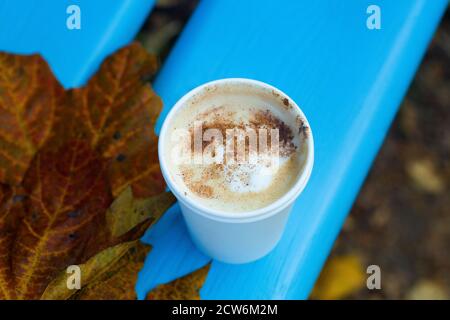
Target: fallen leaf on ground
<point>341,276</point>
<point>425,176</point>
<point>427,290</point>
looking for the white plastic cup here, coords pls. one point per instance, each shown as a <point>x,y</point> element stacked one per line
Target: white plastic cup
<point>238,237</point>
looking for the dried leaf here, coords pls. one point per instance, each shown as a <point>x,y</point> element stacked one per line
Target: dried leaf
<point>64,155</point>
<point>427,289</point>
<point>64,211</point>
<point>91,271</point>
<point>126,211</point>
<point>185,288</point>
<point>340,277</point>
<point>116,112</point>
<point>425,176</point>
<point>6,238</point>
<point>29,95</point>
<point>119,281</point>
<point>123,216</point>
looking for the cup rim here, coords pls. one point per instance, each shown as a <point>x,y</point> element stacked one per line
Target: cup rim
<point>257,214</point>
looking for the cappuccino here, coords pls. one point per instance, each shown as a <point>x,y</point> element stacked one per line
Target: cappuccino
<point>236,149</point>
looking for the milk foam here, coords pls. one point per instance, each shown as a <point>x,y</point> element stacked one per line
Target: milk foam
<point>249,177</point>
<point>239,186</point>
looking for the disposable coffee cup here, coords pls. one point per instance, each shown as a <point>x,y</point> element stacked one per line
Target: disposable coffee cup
<point>244,236</point>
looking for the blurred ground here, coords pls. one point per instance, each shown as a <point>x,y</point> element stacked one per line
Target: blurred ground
<point>401,220</point>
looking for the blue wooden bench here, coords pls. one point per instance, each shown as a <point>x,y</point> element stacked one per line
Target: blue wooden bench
<point>348,80</point>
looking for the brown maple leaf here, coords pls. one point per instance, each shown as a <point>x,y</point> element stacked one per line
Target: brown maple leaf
<point>184,288</point>
<point>64,209</point>
<point>79,174</point>
<point>115,113</point>
<point>29,96</point>
<point>7,227</point>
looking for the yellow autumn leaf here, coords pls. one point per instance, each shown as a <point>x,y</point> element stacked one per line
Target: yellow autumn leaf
<point>93,269</point>
<point>341,276</point>
<point>118,282</point>
<point>127,212</point>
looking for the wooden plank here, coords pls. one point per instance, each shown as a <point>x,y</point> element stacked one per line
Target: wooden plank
<point>348,80</point>
<point>28,26</point>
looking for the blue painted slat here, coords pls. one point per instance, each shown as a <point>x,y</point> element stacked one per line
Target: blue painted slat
<point>28,26</point>
<point>163,262</point>
<point>348,80</point>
